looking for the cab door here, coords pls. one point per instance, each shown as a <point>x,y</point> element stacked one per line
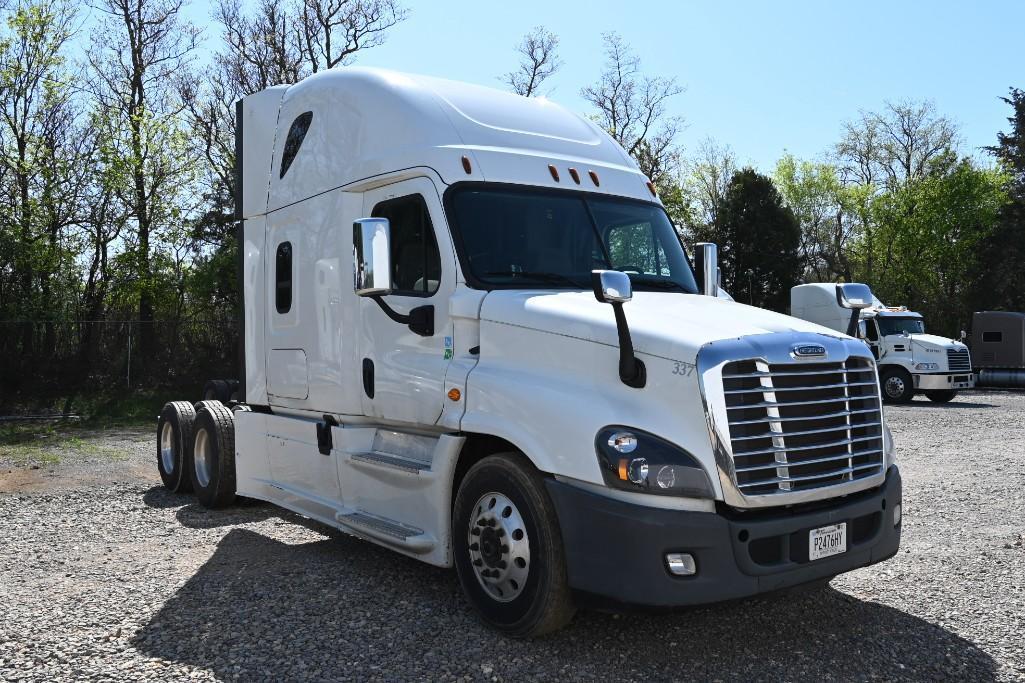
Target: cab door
<point>404,372</point>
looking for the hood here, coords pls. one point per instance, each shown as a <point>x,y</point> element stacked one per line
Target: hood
<point>932,341</point>
<point>667,324</point>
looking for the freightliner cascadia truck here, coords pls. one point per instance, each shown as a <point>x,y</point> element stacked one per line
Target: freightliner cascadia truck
<point>472,334</point>
<point>910,361</point>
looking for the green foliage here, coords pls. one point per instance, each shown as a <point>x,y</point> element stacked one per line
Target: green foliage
<point>929,239</point>
<point>759,241</point>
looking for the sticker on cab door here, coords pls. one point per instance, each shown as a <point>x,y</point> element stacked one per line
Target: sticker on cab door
<point>448,348</point>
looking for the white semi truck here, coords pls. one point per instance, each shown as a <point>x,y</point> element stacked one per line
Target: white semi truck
<point>910,361</point>
<point>471,334</point>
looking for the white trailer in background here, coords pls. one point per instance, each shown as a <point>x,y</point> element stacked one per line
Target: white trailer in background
<point>472,335</point>
<point>910,361</point>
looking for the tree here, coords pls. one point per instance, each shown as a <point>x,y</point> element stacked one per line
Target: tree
<point>632,108</point>
<point>334,30</point>
<point>41,167</point>
<point>539,60</point>
<point>706,179</point>
<point>1000,282</point>
<point>821,204</point>
<point>759,241</point>
<point>142,49</point>
<point>932,236</point>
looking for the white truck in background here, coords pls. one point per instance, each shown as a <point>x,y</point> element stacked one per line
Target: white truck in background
<point>910,361</point>
<point>472,335</point>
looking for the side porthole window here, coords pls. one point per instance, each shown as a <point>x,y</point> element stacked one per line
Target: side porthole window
<point>283,278</point>
<point>296,133</point>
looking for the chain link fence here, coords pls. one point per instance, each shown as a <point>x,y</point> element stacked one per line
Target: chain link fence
<point>48,358</point>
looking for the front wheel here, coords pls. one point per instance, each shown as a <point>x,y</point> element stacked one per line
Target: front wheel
<point>897,385</point>
<point>944,396</point>
<point>508,549</point>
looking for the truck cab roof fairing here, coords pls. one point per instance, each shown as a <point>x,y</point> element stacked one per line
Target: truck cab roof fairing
<point>369,122</point>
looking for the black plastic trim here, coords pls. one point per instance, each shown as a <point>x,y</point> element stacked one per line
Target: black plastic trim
<point>240,257</point>
<point>616,549</point>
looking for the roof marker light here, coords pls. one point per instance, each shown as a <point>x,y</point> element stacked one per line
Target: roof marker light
<point>574,175</point>
<point>466,165</point>
<point>594,178</point>
<point>554,171</point>
<point>651,189</point>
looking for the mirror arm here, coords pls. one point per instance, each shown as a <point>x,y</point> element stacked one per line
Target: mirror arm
<point>852,326</point>
<point>420,319</point>
<point>631,368</point>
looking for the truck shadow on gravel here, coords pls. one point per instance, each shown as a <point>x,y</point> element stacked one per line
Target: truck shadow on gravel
<point>341,608</point>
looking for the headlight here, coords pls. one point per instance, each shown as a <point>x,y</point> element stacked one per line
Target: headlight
<point>889,449</point>
<point>633,460</point>
<point>927,366</point>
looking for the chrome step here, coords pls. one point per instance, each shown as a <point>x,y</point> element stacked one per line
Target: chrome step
<point>402,535</point>
<point>394,461</point>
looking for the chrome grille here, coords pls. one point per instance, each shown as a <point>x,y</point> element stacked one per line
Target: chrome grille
<point>799,426</point>
<point>958,360</point>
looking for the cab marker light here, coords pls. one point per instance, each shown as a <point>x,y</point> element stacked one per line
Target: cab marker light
<point>554,171</point>
<point>574,175</point>
<point>594,178</point>
<point>466,165</point>
<point>651,189</point>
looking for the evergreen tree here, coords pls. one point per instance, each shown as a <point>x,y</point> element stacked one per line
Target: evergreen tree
<point>759,242</point>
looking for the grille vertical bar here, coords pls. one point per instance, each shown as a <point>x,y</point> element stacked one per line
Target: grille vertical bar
<point>800,426</point>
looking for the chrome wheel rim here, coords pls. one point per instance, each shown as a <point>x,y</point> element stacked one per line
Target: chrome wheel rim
<point>203,457</point>
<point>167,447</point>
<point>499,547</point>
<point>894,387</point>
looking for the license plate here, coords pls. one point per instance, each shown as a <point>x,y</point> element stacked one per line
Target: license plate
<point>827,541</point>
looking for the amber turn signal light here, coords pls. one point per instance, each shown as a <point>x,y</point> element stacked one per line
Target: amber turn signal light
<point>454,394</point>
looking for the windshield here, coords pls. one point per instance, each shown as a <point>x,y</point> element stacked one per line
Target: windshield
<point>517,238</point>
<point>888,326</point>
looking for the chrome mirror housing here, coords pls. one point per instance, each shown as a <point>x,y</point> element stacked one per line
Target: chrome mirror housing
<point>853,295</point>
<point>371,257</point>
<point>611,286</point>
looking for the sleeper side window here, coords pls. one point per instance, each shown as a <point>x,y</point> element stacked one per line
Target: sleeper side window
<point>283,278</point>
<point>416,265</point>
<point>992,337</point>
<point>296,133</point>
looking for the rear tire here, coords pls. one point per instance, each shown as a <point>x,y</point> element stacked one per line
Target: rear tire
<point>174,445</point>
<point>897,385</point>
<point>213,456</point>
<point>508,548</point>
<point>945,396</point>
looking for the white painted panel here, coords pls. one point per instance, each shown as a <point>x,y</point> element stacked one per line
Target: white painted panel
<point>259,119</point>
<point>255,310</point>
<point>287,374</point>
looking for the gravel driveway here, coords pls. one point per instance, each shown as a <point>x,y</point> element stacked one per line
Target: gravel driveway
<point>105,576</point>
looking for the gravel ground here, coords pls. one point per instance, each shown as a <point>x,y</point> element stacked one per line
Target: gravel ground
<point>105,576</point>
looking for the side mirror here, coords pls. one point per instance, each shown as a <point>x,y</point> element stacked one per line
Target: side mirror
<point>853,295</point>
<point>862,329</point>
<point>371,261</point>
<point>611,286</point>
<point>707,261</point>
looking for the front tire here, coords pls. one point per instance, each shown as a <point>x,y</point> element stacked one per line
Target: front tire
<point>508,548</point>
<point>213,456</point>
<point>945,396</point>
<point>174,445</point>
<point>897,385</point>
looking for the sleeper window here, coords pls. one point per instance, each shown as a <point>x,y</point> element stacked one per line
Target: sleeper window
<point>992,336</point>
<point>296,133</point>
<point>283,278</point>
<point>416,265</point>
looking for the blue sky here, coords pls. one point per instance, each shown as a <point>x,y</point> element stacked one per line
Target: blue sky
<point>763,77</point>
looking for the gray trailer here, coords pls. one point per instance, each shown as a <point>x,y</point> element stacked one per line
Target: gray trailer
<point>998,348</point>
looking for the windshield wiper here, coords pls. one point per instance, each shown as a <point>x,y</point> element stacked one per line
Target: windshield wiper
<point>549,278</point>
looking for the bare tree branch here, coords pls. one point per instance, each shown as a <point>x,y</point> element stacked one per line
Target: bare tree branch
<point>539,60</point>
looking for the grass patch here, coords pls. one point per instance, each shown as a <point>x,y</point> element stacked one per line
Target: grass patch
<point>49,444</point>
